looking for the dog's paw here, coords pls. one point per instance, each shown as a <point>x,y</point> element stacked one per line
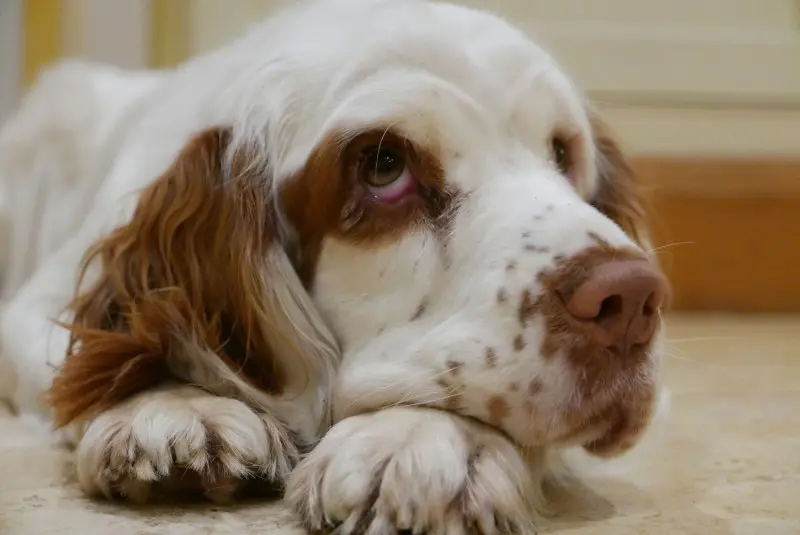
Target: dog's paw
<point>181,440</point>
<point>413,470</point>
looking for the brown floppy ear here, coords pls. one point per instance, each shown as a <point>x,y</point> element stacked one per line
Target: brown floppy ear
<point>196,287</point>
<point>619,196</point>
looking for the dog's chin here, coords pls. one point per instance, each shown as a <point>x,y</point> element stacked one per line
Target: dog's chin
<point>618,429</point>
<point>611,429</point>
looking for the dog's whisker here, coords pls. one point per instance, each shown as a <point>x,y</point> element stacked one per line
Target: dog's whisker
<point>670,245</point>
<point>706,339</point>
<point>388,387</point>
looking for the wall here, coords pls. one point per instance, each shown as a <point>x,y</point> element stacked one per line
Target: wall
<point>685,77</point>
<point>109,31</point>
<point>682,76</point>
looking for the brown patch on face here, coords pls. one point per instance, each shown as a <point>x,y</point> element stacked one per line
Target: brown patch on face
<point>627,420</point>
<point>333,188</point>
<point>618,196</point>
<point>498,409</point>
<point>185,272</point>
<point>528,306</point>
<point>535,387</point>
<point>490,357</point>
<point>550,346</point>
<point>423,306</point>
<point>519,343</point>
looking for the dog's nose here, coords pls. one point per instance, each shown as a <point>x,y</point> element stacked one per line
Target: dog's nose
<point>620,299</point>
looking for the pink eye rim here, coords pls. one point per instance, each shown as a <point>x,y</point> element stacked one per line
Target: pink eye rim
<point>413,175</point>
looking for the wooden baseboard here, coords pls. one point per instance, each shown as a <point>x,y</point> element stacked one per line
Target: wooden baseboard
<point>728,231</point>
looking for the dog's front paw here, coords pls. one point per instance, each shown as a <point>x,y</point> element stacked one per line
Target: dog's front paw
<point>413,470</point>
<point>180,440</point>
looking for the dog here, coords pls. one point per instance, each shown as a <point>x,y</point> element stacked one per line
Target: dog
<point>381,255</point>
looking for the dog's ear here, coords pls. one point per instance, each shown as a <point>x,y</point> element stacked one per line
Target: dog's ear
<point>619,194</point>
<point>196,287</point>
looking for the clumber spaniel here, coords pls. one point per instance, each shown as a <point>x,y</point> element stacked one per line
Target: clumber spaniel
<point>379,253</point>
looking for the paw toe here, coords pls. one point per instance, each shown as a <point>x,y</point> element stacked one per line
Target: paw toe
<point>179,444</point>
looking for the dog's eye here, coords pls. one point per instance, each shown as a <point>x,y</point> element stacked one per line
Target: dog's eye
<point>560,155</point>
<point>382,167</point>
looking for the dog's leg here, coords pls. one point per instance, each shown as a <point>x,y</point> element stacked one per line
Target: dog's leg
<point>33,346</point>
<point>180,439</point>
<point>414,469</point>
<point>177,439</point>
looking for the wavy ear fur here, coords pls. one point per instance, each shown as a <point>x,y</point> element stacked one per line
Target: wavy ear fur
<point>619,195</point>
<point>196,287</point>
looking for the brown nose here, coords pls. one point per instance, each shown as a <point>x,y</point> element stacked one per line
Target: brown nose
<point>620,299</point>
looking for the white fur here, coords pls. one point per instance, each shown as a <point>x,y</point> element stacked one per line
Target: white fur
<point>458,82</point>
<point>425,472</point>
<point>55,153</point>
<point>141,440</point>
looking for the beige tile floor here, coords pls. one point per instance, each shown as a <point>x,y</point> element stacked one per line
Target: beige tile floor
<point>726,460</point>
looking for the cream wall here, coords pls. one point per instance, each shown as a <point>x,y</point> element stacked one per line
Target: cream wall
<point>214,22</point>
<point>108,31</point>
<point>681,76</point>
<point>674,76</point>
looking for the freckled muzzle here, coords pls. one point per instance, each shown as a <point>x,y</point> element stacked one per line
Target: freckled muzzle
<point>603,315</point>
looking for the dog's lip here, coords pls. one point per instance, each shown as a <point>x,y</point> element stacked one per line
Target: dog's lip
<point>596,426</point>
<point>607,445</point>
<point>604,437</point>
<point>621,430</point>
<point>590,429</point>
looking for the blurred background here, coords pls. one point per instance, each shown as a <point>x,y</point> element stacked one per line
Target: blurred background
<point>705,94</point>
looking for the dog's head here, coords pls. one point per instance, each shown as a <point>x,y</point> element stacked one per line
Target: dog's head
<point>423,182</point>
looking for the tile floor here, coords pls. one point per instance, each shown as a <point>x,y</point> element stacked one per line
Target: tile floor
<point>725,460</point>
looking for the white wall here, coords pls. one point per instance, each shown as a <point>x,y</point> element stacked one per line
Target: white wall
<point>10,54</point>
<point>674,76</point>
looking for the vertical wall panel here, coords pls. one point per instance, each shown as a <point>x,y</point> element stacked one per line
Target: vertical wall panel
<point>675,76</point>
<point>109,31</point>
